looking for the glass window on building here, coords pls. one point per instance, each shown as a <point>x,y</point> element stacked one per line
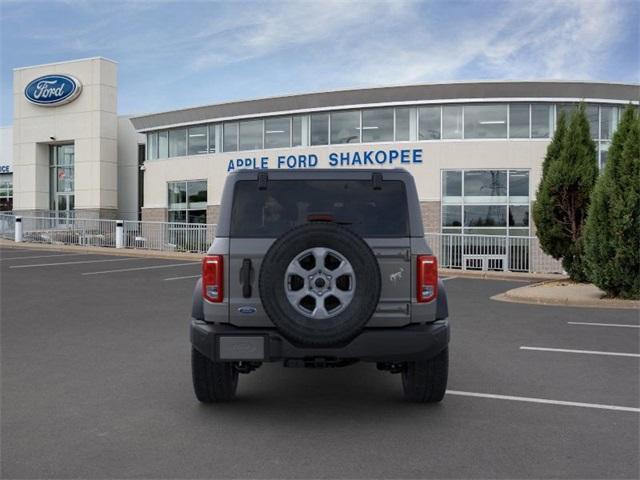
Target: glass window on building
<point>608,121</point>
<point>604,152</point>
<point>320,129</point>
<point>541,120</point>
<point>197,140</point>
<point>187,201</point>
<point>163,144</point>
<point>377,125</point>
<point>485,216</point>
<point>519,186</point>
<point>296,131</point>
<point>277,132</point>
<point>212,138</point>
<point>403,124</point>
<point>152,146</point>
<point>452,121</point>
<point>345,127</point>
<point>592,116</point>
<point>61,179</point>
<point>485,186</point>
<point>568,109</point>
<point>451,217</point>
<point>452,186</point>
<point>251,133</point>
<point>178,142</point>
<point>485,208</point>
<point>6,192</point>
<point>519,120</point>
<point>429,123</point>
<point>230,137</point>
<point>485,121</point>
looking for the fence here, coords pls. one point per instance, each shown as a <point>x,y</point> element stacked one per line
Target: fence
<point>491,252</point>
<point>466,252</point>
<point>163,236</point>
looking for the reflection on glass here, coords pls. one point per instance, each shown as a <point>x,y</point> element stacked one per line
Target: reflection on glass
<point>485,183</point>
<point>452,121</point>
<point>541,120</point>
<point>177,195</point>
<point>519,120</point>
<point>592,117</point>
<point>251,135</point>
<point>197,140</point>
<point>178,142</point>
<point>320,129</point>
<point>608,122</point>
<point>485,216</point>
<point>452,183</point>
<point>296,131</point>
<point>485,121</point>
<point>519,184</point>
<point>452,216</point>
<point>152,146</point>
<point>403,122</point>
<point>429,123</point>
<point>377,125</point>
<point>197,194</point>
<point>230,137</point>
<point>163,144</point>
<point>212,138</point>
<point>519,216</point>
<point>277,132</point>
<point>345,127</point>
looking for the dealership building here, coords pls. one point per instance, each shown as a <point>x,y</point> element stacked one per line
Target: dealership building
<point>474,148</point>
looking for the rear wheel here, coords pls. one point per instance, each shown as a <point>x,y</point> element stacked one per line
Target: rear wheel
<point>425,381</point>
<point>213,381</point>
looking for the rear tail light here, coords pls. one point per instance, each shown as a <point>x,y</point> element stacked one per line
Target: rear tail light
<point>212,278</point>
<point>427,278</point>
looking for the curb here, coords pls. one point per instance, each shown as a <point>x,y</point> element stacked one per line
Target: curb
<point>511,276</point>
<point>125,252</point>
<point>512,296</point>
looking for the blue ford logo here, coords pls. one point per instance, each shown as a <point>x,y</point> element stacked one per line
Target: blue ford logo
<point>247,310</point>
<point>52,90</point>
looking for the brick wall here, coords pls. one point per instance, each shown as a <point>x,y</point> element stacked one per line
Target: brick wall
<point>431,216</point>
<point>154,214</point>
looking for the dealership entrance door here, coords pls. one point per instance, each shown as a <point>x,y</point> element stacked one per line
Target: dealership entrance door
<point>61,180</point>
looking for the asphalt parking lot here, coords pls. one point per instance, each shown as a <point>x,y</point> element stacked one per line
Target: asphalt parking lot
<point>96,384</point>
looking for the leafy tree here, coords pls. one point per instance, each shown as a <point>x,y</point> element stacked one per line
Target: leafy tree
<point>563,197</point>
<point>612,233</point>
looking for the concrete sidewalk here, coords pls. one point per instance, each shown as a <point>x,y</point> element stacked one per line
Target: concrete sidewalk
<point>565,292</point>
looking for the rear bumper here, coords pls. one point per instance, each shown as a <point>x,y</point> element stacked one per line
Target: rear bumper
<point>228,343</point>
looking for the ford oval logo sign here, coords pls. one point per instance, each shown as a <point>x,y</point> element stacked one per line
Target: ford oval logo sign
<point>53,90</point>
<point>247,310</point>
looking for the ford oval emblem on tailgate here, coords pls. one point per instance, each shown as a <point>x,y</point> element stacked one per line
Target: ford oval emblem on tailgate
<point>246,310</point>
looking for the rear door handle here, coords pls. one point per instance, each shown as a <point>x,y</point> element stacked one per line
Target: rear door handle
<point>245,277</point>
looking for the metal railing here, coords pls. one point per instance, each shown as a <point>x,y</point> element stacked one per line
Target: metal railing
<point>491,253</point>
<point>169,236</point>
<point>7,226</point>
<point>69,231</point>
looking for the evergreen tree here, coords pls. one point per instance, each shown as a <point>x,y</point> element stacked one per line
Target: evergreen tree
<point>563,197</point>
<point>612,233</point>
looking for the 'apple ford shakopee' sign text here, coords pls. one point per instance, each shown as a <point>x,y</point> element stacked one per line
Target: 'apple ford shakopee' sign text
<point>53,90</point>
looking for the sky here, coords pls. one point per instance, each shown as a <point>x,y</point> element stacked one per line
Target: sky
<point>176,54</point>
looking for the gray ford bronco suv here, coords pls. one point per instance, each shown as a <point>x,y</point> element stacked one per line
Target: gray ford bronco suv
<point>319,268</point>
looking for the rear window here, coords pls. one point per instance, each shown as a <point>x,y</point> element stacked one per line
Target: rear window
<point>287,203</point>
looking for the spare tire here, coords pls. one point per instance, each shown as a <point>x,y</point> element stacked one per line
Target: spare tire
<point>319,284</point>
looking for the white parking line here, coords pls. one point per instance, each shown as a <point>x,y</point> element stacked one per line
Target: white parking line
<point>447,278</point>
<point>181,278</point>
<point>604,324</point>
<point>42,256</point>
<point>589,352</point>
<point>74,263</point>
<point>141,268</point>
<point>545,401</point>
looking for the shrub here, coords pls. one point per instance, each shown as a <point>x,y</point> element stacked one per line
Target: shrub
<point>612,233</point>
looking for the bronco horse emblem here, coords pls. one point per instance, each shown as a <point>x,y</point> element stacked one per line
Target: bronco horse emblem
<point>394,277</point>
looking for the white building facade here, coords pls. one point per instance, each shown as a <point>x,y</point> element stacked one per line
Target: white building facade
<point>475,149</point>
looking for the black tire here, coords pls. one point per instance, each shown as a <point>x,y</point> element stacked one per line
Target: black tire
<point>343,326</point>
<point>425,381</point>
<point>212,381</point>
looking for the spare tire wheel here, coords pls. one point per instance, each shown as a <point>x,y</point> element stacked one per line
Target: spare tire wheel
<point>319,284</point>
